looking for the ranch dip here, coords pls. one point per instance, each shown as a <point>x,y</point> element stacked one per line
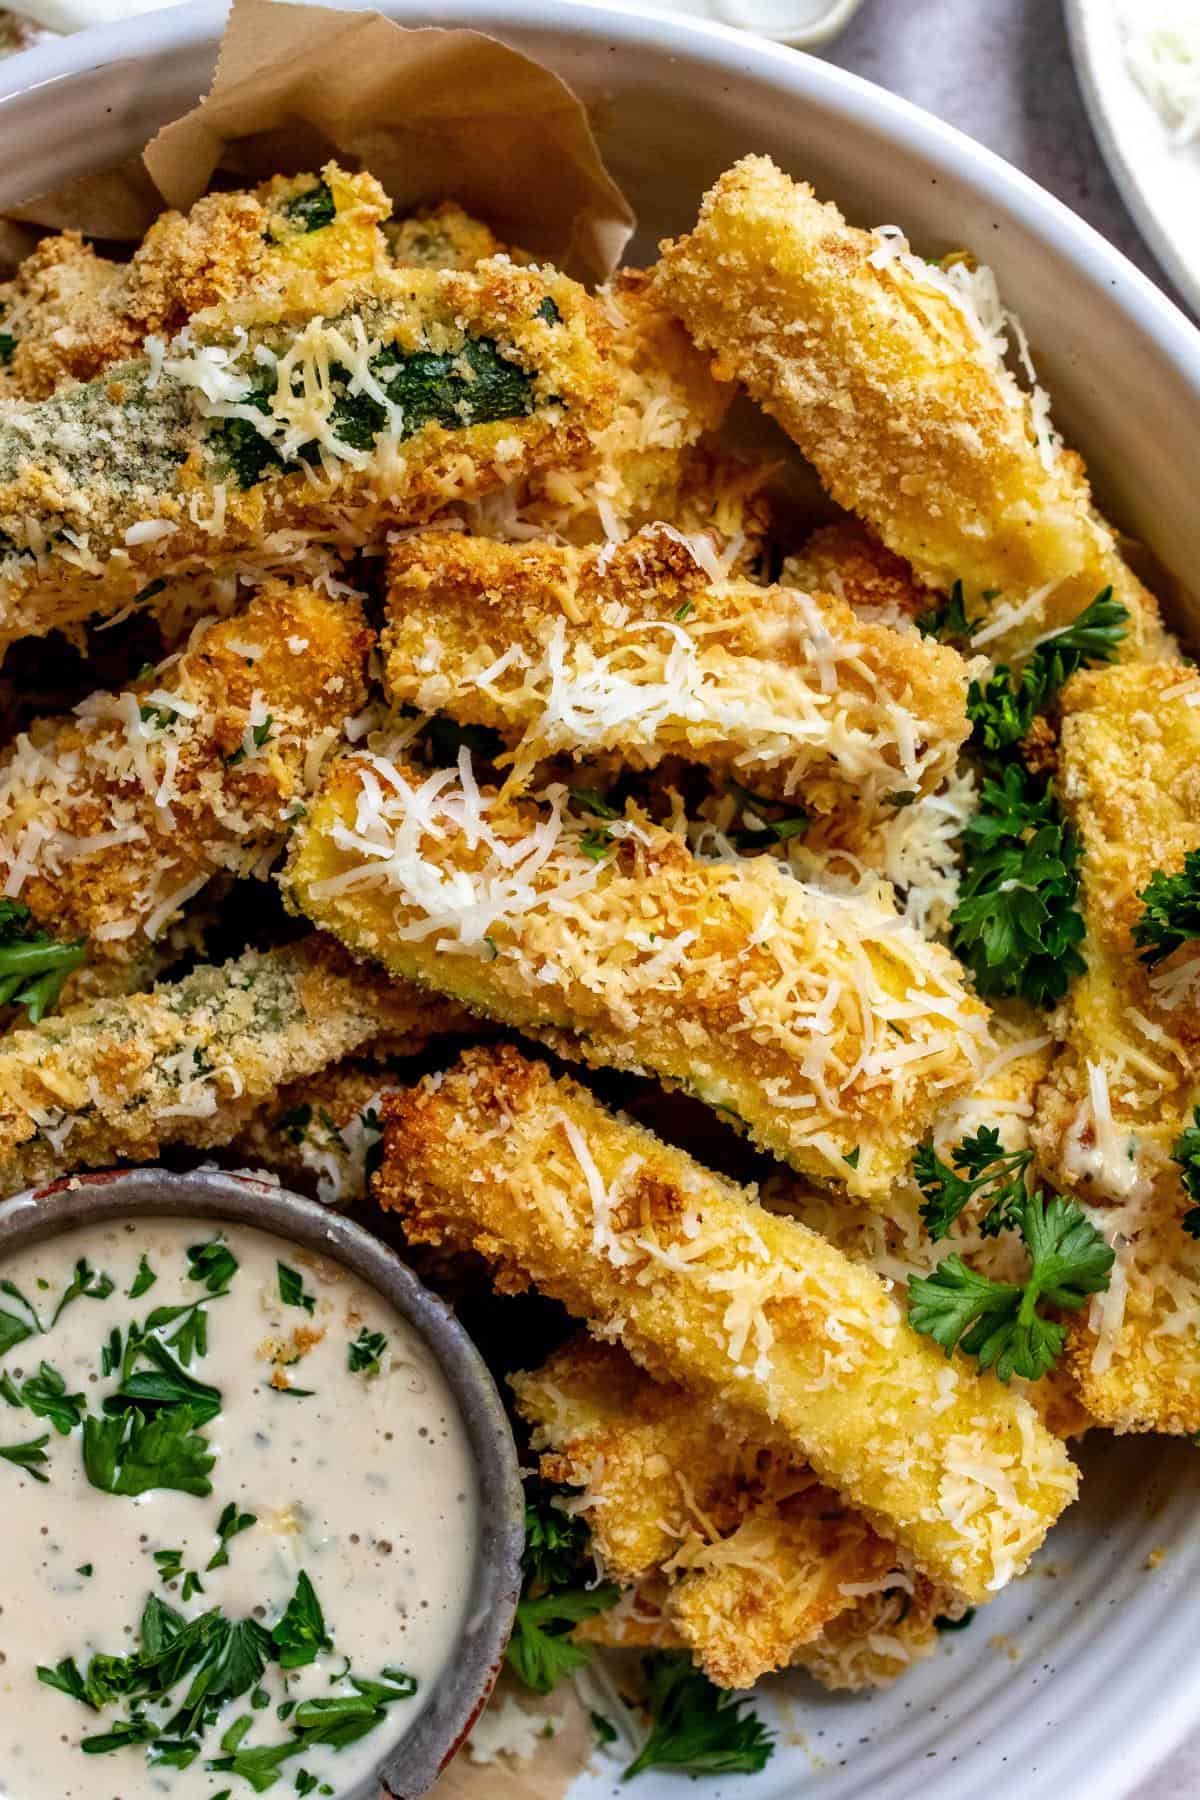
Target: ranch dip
<point>239,1518</point>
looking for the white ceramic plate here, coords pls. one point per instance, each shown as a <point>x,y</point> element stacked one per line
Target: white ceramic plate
<point>1106,1680</point>
<point>1159,181</point>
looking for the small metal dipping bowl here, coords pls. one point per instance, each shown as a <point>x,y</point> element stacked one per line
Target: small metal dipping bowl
<point>411,1765</point>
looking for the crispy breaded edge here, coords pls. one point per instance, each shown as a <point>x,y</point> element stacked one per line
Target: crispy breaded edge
<point>909,417</point>
<point>705,1288</point>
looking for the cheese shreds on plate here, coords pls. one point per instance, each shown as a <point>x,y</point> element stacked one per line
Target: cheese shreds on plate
<point>821,1024</point>
<point>753,1312</point>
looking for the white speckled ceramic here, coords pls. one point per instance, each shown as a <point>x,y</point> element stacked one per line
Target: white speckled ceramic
<point>1096,1674</point>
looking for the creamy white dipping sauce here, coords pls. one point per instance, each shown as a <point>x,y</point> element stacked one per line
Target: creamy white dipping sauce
<point>366,1486</point>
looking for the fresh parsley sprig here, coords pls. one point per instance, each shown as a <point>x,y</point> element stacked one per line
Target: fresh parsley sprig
<point>1186,1153</point>
<point>697,1727</point>
<point>33,966</point>
<point>1170,911</point>
<point>559,1590</point>
<point>987,1168</point>
<point>1003,708</point>
<point>998,1322</point>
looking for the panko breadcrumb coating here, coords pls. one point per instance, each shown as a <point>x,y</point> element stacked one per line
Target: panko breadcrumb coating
<point>73,314</point>
<point>112,818</point>
<point>889,378</point>
<point>313,414</point>
<point>822,1025</point>
<point>188,1063</point>
<point>441,237</point>
<point>846,560</point>
<point>704,1287</point>
<point>752,1550</point>
<point>1128,1079</point>
<point>635,648</point>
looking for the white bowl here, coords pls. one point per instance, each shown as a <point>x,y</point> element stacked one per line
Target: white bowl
<point>1096,1676</point>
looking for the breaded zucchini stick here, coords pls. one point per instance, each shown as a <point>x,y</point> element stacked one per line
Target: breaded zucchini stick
<point>326,415</point>
<point>823,1026</point>
<point>746,1309</point>
<point>872,1643</point>
<point>188,1063</point>
<point>1128,1079</point>
<point>112,818</point>
<point>71,314</point>
<point>633,648</point>
<point>848,561</point>
<point>442,237</point>
<point>885,372</point>
<point>753,1551</point>
<point>643,463</point>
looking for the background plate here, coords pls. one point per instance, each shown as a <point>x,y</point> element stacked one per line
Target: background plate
<point>1159,181</point>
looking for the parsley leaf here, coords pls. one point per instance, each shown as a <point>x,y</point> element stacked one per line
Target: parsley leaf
<point>1186,1153</point>
<point>365,1352</point>
<point>998,1322</point>
<point>291,1289</point>
<point>987,1166</point>
<point>595,843</point>
<point>1015,925</point>
<point>761,829</point>
<point>698,1727</point>
<point>300,1635</point>
<point>1003,709</point>
<point>46,1396</point>
<point>28,1456</point>
<point>33,966</point>
<point>591,800</point>
<point>213,1263</point>
<point>132,1454</point>
<point>540,1652</point>
<point>949,621</point>
<point>164,1386</point>
<point>230,1523</point>
<point>84,1281</point>
<point>312,209</point>
<point>143,1281</point>
<point>1170,911</point>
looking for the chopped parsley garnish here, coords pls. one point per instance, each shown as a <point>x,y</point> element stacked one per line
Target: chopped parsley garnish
<point>988,1168</point>
<point>45,1395</point>
<point>28,1456</point>
<point>605,1730</point>
<point>591,800</point>
<point>8,345</point>
<point>33,966</point>
<point>170,1568</point>
<point>365,1352</point>
<point>596,843</point>
<point>294,1124</point>
<point>764,830</point>
<point>313,209</point>
<point>300,1636</point>
<point>1186,1153</point>
<point>697,1727</point>
<point>230,1523</point>
<point>291,1289</point>
<point>85,1283</point>
<point>259,735</point>
<point>134,1452</point>
<point>143,1281</point>
<point>998,1322</point>
<point>85,1569</point>
<point>213,1263</point>
<point>949,621</point>
<point>557,1568</point>
<point>1170,911</point>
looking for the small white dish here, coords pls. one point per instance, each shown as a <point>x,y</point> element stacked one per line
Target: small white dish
<point>1158,178</point>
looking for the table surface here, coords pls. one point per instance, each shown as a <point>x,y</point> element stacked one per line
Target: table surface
<point>1001,71</point>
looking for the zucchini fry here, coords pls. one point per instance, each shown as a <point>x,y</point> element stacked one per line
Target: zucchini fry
<point>825,1027</point>
<point>633,648</point>
<point>72,314</point>
<point>188,1063</point>
<point>845,560</point>
<point>112,818</point>
<point>326,414</point>
<point>1127,1081</point>
<point>887,374</point>
<point>644,462</point>
<point>752,1550</point>
<point>747,1310</point>
<point>441,237</point>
